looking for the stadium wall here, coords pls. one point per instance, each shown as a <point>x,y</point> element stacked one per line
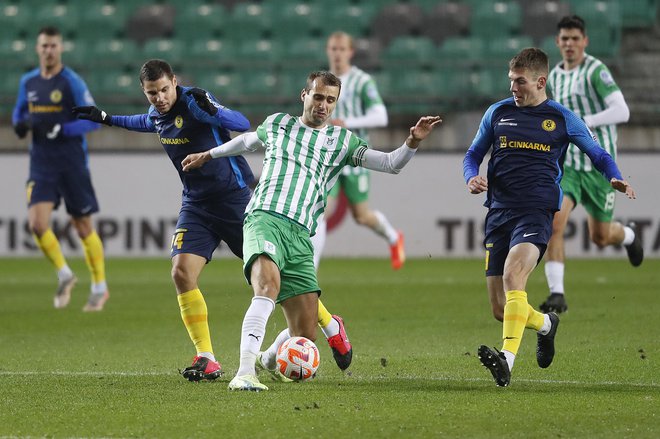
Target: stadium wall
<point>140,195</point>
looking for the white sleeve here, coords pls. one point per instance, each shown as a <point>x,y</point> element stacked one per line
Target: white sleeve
<point>390,162</point>
<point>246,142</point>
<point>376,116</point>
<point>616,112</point>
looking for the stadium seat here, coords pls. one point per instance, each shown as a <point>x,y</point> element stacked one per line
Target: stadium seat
<point>367,53</point>
<point>408,52</point>
<point>549,46</point>
<point>213,52</point>
<point>259,86</point>
<point>101,20</point>
<point>171,50</point>
<point>446,20</point>
<point>64,17</point>
<point>395,20</point>
<point>461,51</point>
<point>224,86</point>
<point>258,53</point>
<point>638,13</point>
<point>540,18</point>
<point>15,20</point>
<point>119,53</point>
<point>294,19</point>
<point>9,85</point>
<point>493,19</point>
<point>304,52</point>
<point>151,21</point>
<point>200,22</point>
<point>499,50</point>
<point>18,54</point>
<point>352,19</point>
<point>248,20</point>
<point>76,53</point>
<point>603,20</point>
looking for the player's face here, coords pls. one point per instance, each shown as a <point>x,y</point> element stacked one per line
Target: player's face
<point>528,90</point>
<point>339,53</point>
<point>319,103</point>
<point>161,93</point>
<point>49,50</point>
<point>571,43</point>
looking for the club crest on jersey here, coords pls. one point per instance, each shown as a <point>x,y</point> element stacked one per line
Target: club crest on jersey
<point>178,121</point>
<point>502,141</point>
<point>549,125</point>
<point>55,96</point>
<point>330,141</point>
<point>269,247</point>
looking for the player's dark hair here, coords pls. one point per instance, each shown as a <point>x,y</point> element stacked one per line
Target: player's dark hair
<point>154,69</point>
<point>533,59</point>
<point>51,31</point>
<point>327,78</point>
<point>572,22</point>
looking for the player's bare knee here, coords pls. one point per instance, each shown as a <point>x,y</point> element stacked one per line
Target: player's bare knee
<point>182,277</point>
<point>38,228</point>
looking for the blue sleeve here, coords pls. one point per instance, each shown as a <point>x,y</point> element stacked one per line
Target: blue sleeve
<point>579,134</point>
<point>138,122</point>
<point>20,112</point>
<point>225,117</point>
<point>480,145</point>
<point>81,97</point>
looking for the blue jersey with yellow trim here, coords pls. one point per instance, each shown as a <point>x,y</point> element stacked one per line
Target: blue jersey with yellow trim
<point>45,103</point>
<point>528,148</point>
<point>187,129</point>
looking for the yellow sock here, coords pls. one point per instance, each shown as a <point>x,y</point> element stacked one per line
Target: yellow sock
<point>535,319</point>
<point>195,316</point>
<point>49,244</point>
<point>94,257</point>
<point>324,316</point>
<point>515,319</point>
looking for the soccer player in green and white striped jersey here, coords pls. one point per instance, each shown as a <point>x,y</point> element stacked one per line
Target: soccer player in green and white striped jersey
<point>585,85</point>
<point>360,107</point>
<point>303,156</point>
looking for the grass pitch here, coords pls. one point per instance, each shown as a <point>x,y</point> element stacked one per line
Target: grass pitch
<point>64,373</point>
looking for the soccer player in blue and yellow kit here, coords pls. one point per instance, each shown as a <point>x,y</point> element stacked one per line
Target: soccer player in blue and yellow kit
<point>59,164</point>
<point>528,135</point>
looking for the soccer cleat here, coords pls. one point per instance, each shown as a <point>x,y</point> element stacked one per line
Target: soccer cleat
<point>275,374</point>
<point>202,369</point>
<point>556,302</point>
<point>635,250</point>
<point>247,382</point>
<point>96,301</point>
<point>494,360</point>
<point>63,293</point>
<point>397,252</point>
<point>545,344</point>
<point>342,351</point>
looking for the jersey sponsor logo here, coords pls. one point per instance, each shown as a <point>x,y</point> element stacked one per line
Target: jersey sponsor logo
<point>32,96</point>
<point>523,144</point>
<point>56,96</point>
<point>502,141</point>
<point>549,125</point>
<point>174,140</point>
<point>178,121</point>
<point>526,235</point>
<point>32,108</point>
<point>606,77</point>
<point>508,122</point>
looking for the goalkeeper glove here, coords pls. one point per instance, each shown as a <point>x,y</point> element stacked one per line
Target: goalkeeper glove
<point>93,114</point>
<point>21,129</point>
<point>203,101</point>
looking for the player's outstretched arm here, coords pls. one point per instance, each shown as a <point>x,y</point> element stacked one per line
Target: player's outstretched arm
<point>238,145</point>
<point>94,114</point>
<point>421,130</point>
<point>624,187</point>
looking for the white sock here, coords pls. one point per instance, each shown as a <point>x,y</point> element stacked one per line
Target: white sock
<point>510,358</point>
<point>547,324</point>
<point>318,241</point>
<point>385,229</point>
<point>99,288</point>
<point>331,328</point>
<point>269,356</point>
<point>253,331</point>
<point>554,273</point>
<point>628,235</point>
<point>208,355</point>
<point>64,273</point>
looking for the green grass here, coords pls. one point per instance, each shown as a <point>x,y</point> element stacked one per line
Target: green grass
<point>64,373</point>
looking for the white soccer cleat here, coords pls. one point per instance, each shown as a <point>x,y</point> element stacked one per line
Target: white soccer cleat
<point>247,382</point>
<point>275,374</point>
<point>96,301</point>
<point>63,293</point>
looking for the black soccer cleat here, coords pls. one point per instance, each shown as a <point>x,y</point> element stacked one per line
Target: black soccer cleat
<point>635,250</point>
<point>495,361</point>
<point>556,302</point>
<point>202,369</point>
<point>545,344</point>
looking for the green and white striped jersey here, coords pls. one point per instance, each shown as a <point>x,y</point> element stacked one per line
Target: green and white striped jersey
<point>358,93</point>
<point>583,90</point>
<point>300,165</point>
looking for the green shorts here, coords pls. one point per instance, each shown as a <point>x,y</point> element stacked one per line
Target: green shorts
<point>287,243</point>
<point>592,190</point>
<point>355,182</point>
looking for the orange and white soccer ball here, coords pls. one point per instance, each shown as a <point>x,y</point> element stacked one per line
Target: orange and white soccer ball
<point>298,359</point>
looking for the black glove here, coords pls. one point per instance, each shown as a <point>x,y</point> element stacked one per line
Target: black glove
<point>93,114</point>
<point>21,129</point>
<point>202,100</point>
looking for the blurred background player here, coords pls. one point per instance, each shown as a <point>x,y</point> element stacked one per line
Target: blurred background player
<point>527,133</point>
<point>285,207</point>
<point>585,85</point>
<point>360,107</point>
<point>59,164</point>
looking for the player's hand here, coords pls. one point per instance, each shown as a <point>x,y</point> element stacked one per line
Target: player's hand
<point>623,186</point>
<point>194,161</point>
<point>203,100</point>
<point>477,185</point>
<point>54,132</point>
<point>93,114</point>
<point>21,129</point>
<point>421,130</point>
